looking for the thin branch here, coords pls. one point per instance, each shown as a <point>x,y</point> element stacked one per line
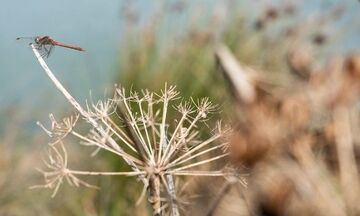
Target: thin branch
<point>201,162</point>
<point>77,172</point>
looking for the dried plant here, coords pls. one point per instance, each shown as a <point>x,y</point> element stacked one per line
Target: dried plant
<point>134,126</point>
<point>301,145</point>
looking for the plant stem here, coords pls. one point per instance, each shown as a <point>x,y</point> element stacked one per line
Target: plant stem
<point>154,194</point>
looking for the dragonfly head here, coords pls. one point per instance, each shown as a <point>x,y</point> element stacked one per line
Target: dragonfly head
<point>37,39</point>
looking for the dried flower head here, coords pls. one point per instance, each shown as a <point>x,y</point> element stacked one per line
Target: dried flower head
<point>136,127</point>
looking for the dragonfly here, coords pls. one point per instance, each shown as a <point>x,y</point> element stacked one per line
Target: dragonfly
<point>45,45</point>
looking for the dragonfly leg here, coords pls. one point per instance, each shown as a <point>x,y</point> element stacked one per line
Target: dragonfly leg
<point>46,53</point>
<point>41,50</point>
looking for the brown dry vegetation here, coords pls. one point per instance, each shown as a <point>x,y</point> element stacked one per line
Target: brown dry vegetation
<point>300,146</point>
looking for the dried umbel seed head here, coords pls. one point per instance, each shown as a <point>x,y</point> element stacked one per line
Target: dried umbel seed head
<point>299,61</point>
<point>247,146</point>
<point>271,14</point>
<point>319,39</point>
<point>352,66</point>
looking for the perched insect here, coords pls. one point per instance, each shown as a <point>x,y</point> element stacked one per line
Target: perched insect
<point>45,45</point>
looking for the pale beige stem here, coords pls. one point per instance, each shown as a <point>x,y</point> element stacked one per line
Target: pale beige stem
<point>154,194</point>
<point>347,162</point>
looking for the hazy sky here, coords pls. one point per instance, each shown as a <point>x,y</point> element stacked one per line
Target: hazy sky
<point>93,25</point>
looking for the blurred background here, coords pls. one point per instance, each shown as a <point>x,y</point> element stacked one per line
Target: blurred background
<point>140,44</point>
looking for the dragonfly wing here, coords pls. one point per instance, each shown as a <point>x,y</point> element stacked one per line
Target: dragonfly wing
<point>45,50</point>
<point>50,50</point>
